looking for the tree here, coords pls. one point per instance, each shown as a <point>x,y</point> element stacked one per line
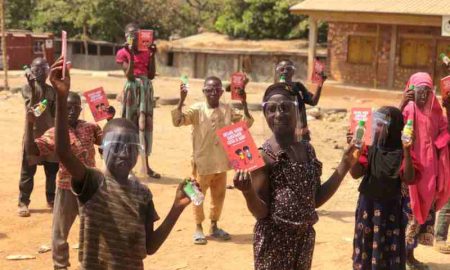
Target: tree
<point>258,19</point>
<point>18,13</point>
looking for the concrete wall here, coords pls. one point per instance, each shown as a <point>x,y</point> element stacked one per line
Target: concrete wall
<point>260,68</point>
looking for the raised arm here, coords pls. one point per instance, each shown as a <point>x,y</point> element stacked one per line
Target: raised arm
<point>327,189</point>
<point>408,175</point>
<point>178,117</point>
<point>152,60</point>
<point>62,141</point>
<point>316,96</point>
<point>155,238</point>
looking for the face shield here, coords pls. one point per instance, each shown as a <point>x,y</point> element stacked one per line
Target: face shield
<point>283,117</point>
<point>380,129</point>
<point>121,150</point>
<point>41,71</point>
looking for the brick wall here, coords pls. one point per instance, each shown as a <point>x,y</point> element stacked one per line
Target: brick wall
<point>376,74</point>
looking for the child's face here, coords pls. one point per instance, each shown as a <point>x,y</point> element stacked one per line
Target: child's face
<point>422,94</point>
<point>120,151</point>
<point>287,69</point>
<point>73,109</point>
<point>213,91</point>
<point>40,69</point>
<point>131,35</point>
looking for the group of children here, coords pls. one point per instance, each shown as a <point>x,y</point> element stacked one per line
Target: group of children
<point>403,184</point>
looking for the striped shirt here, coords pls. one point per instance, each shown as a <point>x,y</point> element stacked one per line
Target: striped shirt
<point>113,222</point>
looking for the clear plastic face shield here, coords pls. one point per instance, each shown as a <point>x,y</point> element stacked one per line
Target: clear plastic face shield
<point>40,71</point>
<point>380,128</point>
<point>121,150</point>
<point>282,116</point>
<point>285,70</point>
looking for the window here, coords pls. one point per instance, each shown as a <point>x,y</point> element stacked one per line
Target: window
<point>78,48</point>
<point>361,49</point>
<point>92,49</point>
<point>170,57</point>
<point>106,50</point>
<point>38,46</point>
<point>414,53</point>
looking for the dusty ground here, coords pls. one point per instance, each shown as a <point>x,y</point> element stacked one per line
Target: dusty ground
<point>171,157</point>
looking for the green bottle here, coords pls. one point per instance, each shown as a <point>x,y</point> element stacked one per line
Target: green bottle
<point>359,134</point>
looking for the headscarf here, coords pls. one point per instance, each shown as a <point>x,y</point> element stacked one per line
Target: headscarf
<point>279,89</point>
<point>431,149</point>
<point>384,160</point>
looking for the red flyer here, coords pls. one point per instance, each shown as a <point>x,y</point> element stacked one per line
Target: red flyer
<point>240,147</point>
<point>145,39</point>
<point>362,114</point>
<point>64,52</point>
<point>445,87</point>
<point>319,68</point>
<point>237,82</point>
<point>98,103</point>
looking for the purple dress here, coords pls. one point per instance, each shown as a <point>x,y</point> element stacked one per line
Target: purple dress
<point>285,239</point>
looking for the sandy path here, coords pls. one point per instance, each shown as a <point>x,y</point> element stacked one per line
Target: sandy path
<point>172,150</point>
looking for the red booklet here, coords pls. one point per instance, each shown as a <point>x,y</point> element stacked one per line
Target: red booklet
<point>319,67</point>
<point>98,103</point>
<point>362,114</point>
<point>145,39</point>
<point>240,147</point>
<point>445,87</point>
<point>237,82</point>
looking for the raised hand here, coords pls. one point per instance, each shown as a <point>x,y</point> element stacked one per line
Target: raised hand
<point>183,92</point>
<point>351,155</point>
<point>242,181</point>
<point>61,86</point>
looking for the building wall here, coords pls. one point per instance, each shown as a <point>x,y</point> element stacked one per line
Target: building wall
<point>260,68</point>
<point>376,74</point>
<point>20,50</point>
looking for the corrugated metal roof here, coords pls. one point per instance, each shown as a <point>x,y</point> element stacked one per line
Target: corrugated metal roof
<point>416,7</point>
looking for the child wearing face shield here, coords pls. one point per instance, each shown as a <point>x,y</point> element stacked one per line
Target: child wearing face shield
<point>83,136</point>
<point>210,162</point>
<point>379,220</point>
<point>117,213</point>
<point>431,147</point>
<point>285,70</point>
<point>34,92</point>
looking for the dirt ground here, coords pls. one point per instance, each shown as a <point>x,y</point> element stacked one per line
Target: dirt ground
<point>172,149</point>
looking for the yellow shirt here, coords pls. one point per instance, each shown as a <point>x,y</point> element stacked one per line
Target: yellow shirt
<point>209,156</point>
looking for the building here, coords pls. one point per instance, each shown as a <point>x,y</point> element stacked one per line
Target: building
<point>380,43</point>
<point>23,46</point>
<point>212,54</point>
<point>100,54</point>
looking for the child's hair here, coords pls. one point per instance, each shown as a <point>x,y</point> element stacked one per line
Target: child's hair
<point>74,95</point>
<point>131,25</point>
<point>120,123</point>
<point>213,78</point>
<point>286,60</point>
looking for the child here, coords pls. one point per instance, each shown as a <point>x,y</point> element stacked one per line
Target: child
<point>379,241</point>
<point>431,147</point>
<point>83,136</point>
<point>117,214</point>
<point>210,162</point>
<point>33,93</point>
<point>286,68</point>
<point>284,194</point>
<point>137,100</point>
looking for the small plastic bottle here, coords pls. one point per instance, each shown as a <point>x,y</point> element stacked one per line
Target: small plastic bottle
<point>359,134</point>
<point>445,59</point>
<point>40,107</point>
<point>408,131</point>
<point>185,81</point>
<point>282,79</point>
<point>193,192</point>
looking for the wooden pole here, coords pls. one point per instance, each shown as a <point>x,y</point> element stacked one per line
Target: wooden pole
<point>312,46</point>
<point>4,55</point>
<point>392,54</point>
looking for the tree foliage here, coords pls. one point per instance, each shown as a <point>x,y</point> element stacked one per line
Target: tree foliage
<point>105,19</point>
